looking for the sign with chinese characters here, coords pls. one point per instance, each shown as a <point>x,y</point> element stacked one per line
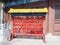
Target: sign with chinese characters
<point>19,2</point>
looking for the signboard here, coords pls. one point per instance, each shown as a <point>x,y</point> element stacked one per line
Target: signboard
<point>19,2</point>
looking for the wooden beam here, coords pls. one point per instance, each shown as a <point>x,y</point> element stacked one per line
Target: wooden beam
<point>37,10</point>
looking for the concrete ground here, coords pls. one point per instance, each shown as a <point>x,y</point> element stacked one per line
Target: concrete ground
<point>50,40</point>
